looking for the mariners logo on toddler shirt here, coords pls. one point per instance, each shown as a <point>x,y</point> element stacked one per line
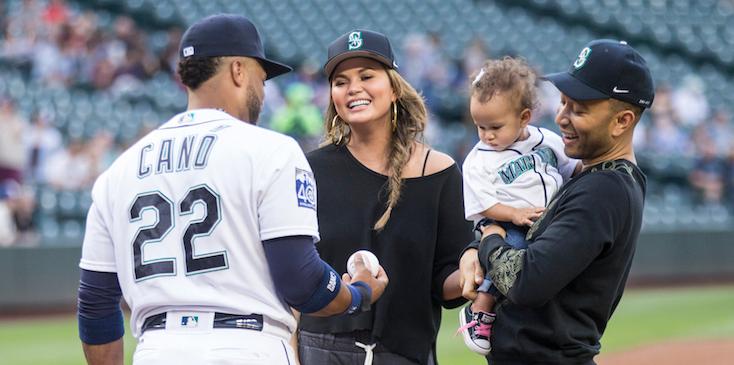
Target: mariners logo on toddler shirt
<point>305,189</point>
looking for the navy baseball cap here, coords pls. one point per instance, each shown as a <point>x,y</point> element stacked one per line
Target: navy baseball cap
<point>360,43</point>
<point>223,35</point>
<point>607,69</point>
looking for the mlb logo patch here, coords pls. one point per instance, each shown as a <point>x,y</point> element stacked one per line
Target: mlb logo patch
<point>190,321</point>
<point>188,51</point>
<point>305,189</point>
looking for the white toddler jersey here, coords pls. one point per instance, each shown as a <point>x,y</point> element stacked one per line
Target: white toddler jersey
<point>524,175</point>
<point>181,215</point>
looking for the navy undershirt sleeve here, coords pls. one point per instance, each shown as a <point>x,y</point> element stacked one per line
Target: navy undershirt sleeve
<point>99,294</point>
<point>295,266</point>
<point>99,314</point>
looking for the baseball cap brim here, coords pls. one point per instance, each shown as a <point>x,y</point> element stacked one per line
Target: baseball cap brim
<point>573,87</point>
<point>272,68</point>
<point>330,66</point>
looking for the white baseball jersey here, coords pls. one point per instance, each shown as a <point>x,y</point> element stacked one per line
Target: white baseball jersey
<point>524,175</point>
<point>181,216</point>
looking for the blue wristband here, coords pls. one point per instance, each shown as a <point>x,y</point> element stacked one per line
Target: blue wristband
<point>367,289</point>
<point>356,303</point>
<point>361,297</point>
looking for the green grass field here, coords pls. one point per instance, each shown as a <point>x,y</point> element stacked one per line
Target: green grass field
<point>644,316</point>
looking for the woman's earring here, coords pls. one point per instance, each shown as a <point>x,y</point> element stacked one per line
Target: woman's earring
<point>333,129</point>
<point>394,116</point>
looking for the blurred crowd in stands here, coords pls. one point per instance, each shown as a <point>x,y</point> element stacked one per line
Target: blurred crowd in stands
<point>681,142</point>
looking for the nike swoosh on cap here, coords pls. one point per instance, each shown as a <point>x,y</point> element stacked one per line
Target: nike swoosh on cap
<point>620,91</point>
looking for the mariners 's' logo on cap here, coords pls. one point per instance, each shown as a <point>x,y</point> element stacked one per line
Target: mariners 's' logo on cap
<point>583,56</point>
<point>355,40</point>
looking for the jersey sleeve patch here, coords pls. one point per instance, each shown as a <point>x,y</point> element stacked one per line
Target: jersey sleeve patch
<point>305,189</point>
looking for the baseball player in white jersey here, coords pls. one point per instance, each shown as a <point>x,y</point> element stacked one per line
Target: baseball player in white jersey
<point>207,225</point>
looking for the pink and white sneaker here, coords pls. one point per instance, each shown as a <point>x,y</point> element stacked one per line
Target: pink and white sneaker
<point>476,328</point>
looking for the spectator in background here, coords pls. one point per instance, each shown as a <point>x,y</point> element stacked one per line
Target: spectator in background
<point>71,168</point>
<point>666,138</point>
<point>169,57</point>
<point>707,175</point>
<point>7,226</point>
<point>729,177</point>
<point>310,74</point>
<point>548,105</point>
<point>13,126</point>
<point>474,56</point>
<point>300,118</point>
<point>56,12</point>
<point>689,102</point>
<point>17,200</point>
<point>722,133</point>
<point>102,151</point>
<point>41,141</point>
<point>663,107</point>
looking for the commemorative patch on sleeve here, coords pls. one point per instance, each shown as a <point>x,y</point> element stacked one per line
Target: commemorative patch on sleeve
<point>305,189</point>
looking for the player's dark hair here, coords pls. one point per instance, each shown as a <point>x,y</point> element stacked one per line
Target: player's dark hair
<point>194,71</point>
<point>506,75</point>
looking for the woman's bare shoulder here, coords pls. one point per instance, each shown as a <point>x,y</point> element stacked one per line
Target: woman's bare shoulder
<point>437,160</point>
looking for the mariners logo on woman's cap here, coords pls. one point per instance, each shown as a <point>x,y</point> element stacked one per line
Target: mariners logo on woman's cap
<point>607,69</point>
<point>360,43</point>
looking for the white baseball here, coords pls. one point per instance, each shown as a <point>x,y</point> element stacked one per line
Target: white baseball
<point>370,260</point>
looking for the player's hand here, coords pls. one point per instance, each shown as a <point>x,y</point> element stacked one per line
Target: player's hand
<point>362,273</point>
<point>470,274</point>
<point>526,216</point>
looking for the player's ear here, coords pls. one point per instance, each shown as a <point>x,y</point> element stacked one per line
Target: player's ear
<point>238,71</point>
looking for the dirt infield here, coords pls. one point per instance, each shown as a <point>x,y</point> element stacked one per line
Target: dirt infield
<point>704,352</point>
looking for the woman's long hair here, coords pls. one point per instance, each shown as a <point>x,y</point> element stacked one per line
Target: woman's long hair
<point>411,121</point>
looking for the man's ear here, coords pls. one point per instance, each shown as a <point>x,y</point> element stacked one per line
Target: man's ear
<point>624,121</point>
<point>238,72</point>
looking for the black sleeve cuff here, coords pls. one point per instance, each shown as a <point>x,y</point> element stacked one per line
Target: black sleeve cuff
<point>495,292</point>
<point>472,245</point>
<point>488,245</point>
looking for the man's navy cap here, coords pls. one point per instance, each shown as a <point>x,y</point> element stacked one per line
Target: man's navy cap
<point>607,69</point>
<point>223,35</point>
<point>360,43</point>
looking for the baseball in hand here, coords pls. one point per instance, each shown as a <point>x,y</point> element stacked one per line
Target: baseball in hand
<point>370,260</point>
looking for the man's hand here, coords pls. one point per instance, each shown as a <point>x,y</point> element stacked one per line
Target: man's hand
<point>526,216</point>
<point>471,274</point>
<point>377,283</point>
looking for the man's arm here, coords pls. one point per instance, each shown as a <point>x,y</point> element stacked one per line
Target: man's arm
<point>106,354</point>
<point>311,286</point>
<point>582,227</point>
<point>100,318</point>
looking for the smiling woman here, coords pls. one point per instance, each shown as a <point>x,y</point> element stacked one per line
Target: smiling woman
<point>381,189</point>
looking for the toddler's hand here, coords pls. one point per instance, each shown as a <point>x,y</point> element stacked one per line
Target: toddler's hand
<point>526,216</point>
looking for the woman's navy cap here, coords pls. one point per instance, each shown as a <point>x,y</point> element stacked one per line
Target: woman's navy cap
<point>607,69</point>
<point>360,43</point>
<point>224,35</point>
